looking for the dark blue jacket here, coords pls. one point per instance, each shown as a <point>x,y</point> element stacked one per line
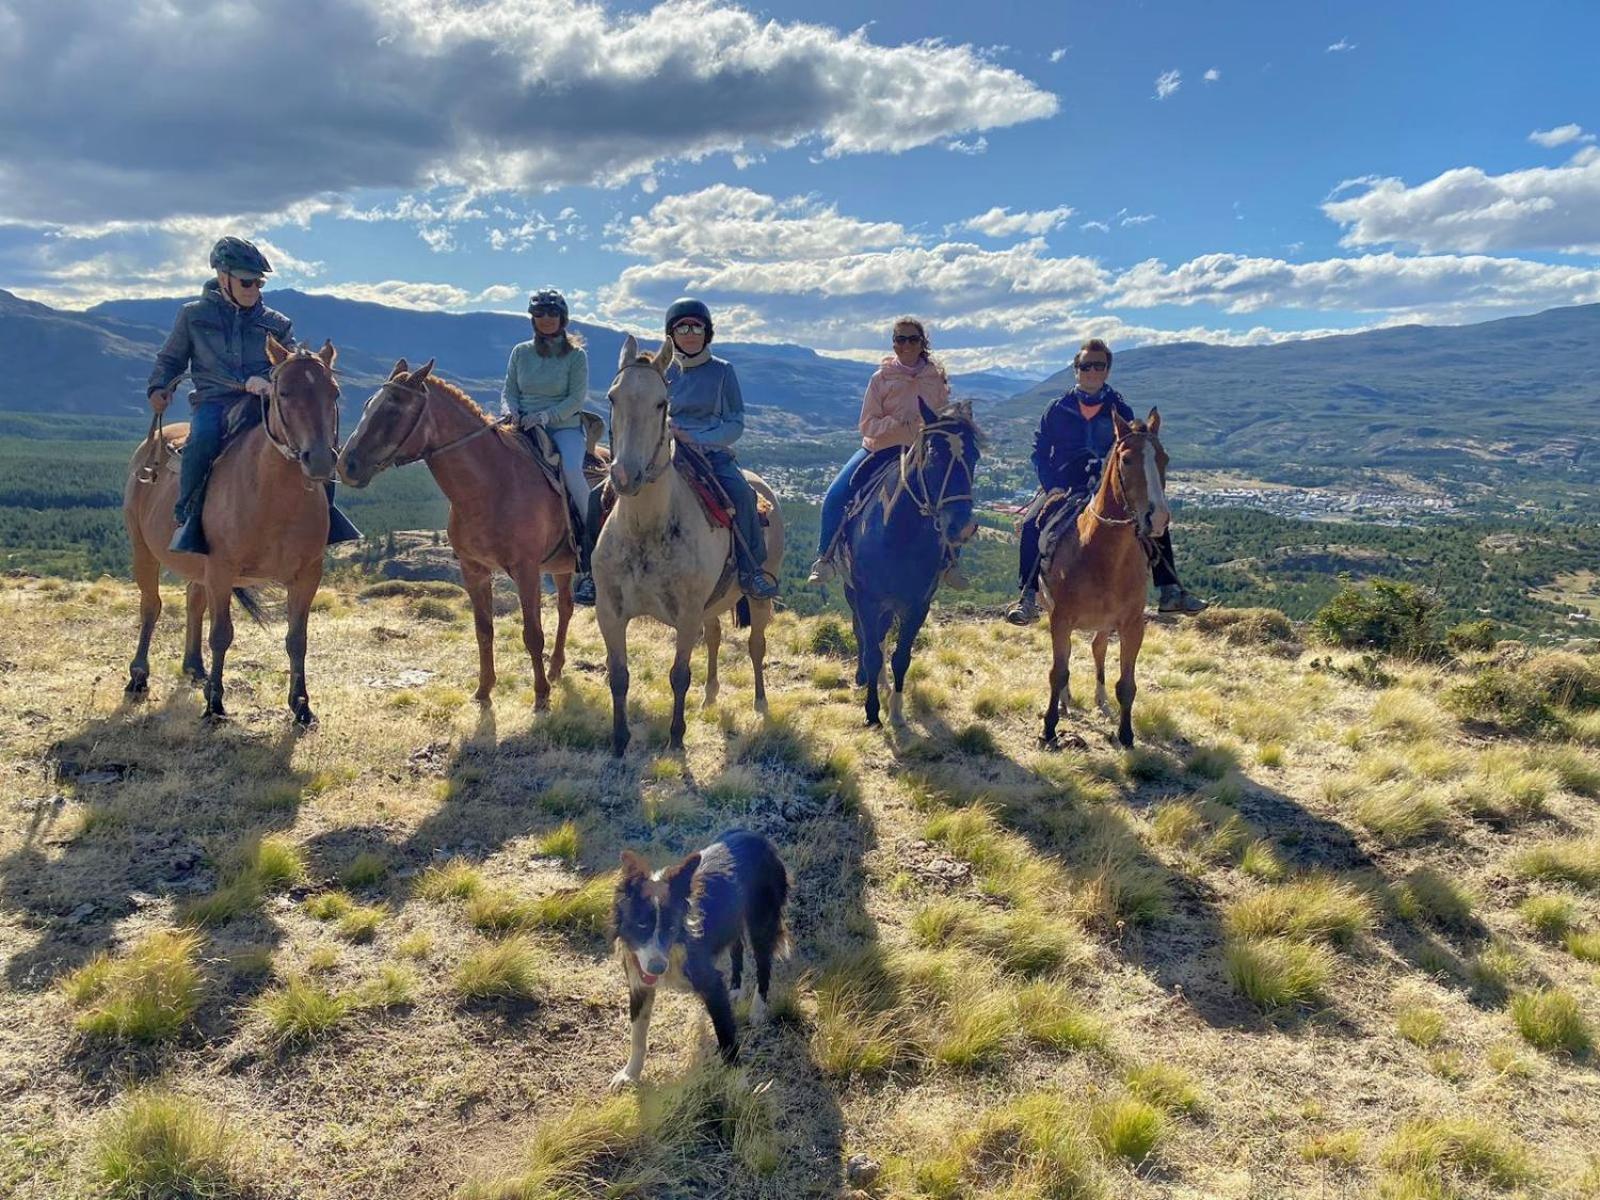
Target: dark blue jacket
<point>1068,451</point>
<point>219,345</point>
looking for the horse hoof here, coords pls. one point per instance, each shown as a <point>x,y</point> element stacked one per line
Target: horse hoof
<point>138,687</point>
<point>874,723</point>
<point>305,719</point>
<point>541,704</point>
<point>761,705</point>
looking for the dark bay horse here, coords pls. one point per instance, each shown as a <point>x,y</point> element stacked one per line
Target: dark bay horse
<point>265,518</point>
<point>504,513</point>
<point>896,546</point>
<point>1096,580</point>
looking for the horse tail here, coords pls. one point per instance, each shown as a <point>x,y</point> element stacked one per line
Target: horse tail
<point>250,601</point>
<point>741,613</point>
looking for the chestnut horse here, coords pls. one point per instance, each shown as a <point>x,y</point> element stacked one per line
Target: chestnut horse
<point>265,518</point>
<point>504,513</point>
<point>658,556</point>
<point>1097,580</point>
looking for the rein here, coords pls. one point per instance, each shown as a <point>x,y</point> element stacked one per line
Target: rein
<point>1119,493</point>
<point>927,504</point>
<point>429,454</point>
<point>271,403</point>
<point>657,464</point>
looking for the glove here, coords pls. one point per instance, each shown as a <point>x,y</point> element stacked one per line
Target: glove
<point>257,386</point>
<point>159,399</point>
<point>534,420</point>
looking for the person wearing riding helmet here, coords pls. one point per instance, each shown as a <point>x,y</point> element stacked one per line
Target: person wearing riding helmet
<point>890,420</point>
<point>707,411</point>
<point>1069,451</point>
<point>547,381</point>
<point>221,341</point>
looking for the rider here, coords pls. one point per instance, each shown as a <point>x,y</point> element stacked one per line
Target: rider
<point>707,412</point>
<point>1075,437</point>
<point>890,420</point>
<point>221,340</point>
<point>547,381</point>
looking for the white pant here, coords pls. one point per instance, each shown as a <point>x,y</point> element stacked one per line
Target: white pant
<point>570,444</point>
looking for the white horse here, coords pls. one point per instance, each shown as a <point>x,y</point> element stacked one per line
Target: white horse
<point>658,555</point>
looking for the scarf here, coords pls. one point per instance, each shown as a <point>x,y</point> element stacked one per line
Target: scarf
<point>685,362</point>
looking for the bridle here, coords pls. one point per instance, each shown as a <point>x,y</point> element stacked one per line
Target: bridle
<point>1119,493</point>
<point>271,404</point>
<point>915,484</point>
<point>658,462</point>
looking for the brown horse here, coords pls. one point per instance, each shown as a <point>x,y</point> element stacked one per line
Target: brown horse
<point>1097,580</point>
<point>504,514</point>
<point>265,518</point>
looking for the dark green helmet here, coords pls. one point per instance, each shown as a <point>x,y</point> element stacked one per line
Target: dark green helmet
<point>688,306</point>
<point>239,257</point>
<point>547,299</point>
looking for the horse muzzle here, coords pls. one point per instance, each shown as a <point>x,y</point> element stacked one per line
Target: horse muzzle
<point>352,470</point>
<point>318,464</point>
<point>1156,522</point>
<point>626,482</point>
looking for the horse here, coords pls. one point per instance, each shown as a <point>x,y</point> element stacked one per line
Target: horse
<point>897,547</point>
<point>659,556</point>
<point>265,518</point>
<point>504,512</point>
<point>1097,581</point>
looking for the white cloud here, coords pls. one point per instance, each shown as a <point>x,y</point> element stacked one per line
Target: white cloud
<point>1341,46</point>
<point>498,293</point>
<point>1560,136</point>
<point>978,146</point>
<point>488,94</point>
<point>1098,226</point>
<point>1058,54</point>
<point>1466,209</point>
<point>1124,217</point>
<point>725,222</point>
<point>399,293</point>
<point>1002,223</point>
<point>1167,83</point>
<point>1212,75</point>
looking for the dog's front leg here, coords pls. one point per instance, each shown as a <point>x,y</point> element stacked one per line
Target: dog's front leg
<point>709,985</point>
<point>641,1001</point>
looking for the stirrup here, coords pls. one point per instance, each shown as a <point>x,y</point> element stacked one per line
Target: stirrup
<point>1025,611</point>
<point>954,578</point>
<point>190,537</point>
<point>583,590</point>
<point>822,570</point>
<point>759,585</point>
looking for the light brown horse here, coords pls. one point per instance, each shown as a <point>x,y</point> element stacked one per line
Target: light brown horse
<point>504,513</point>
<point>265,518</point>
<point>658,556</point>
<point>1097,580</point>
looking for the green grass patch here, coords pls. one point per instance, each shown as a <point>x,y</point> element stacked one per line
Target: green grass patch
<point>561,843</point>
<point>329,906</point>
<point>1316,908</point>
<point>146,995</point>
<point>1169,1088</point>
<point>1127,1128</point>
<point>365,870</point>
<point>161,1146</point>
<point>1428,895</point>
<point>453,880</point>
<point>1277,973</point>
<point>300,1012</point>
<point>505,970</point>
<point>1573,860</point>
<point>1550,918</point>
<point>1550,1020</point>
<point>1051,1016</point>
<point>1456,1152</point>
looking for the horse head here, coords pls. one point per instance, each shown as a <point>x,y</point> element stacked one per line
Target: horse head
<point>301,412</point>
<point>1140,465</point>
<point>640,438</point>
<point>943,460</point>
<point>389,424</point>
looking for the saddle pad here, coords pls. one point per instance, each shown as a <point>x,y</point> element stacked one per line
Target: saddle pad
<point>704,489</point>
<point>865,483</point>
<point>1058,513</point>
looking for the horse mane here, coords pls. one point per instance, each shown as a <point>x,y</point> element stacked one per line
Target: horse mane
<point>460,397</point>
<point>966,419</point>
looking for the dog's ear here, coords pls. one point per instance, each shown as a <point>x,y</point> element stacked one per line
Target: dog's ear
<point>634,866</point>
<point>682,875</point>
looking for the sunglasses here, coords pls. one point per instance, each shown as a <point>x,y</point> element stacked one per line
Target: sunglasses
<point>547,312</point>
<point>246,283</point>
<point>688,329</point>
<point>1094,366</point>
<point>908,339</point>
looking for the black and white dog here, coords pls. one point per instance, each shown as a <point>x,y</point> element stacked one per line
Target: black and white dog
<point>673,926</point>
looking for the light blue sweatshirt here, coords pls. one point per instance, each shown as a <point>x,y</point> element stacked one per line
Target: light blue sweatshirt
<point>556,385</point>
<point>705,401</point>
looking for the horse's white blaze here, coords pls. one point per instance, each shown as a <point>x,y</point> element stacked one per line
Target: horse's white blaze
<point>1160,514</point>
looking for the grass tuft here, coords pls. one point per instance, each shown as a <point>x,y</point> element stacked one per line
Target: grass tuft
<point>1127,1128</point>
<point>159,1146</point>
<point>1456,1151</point>
<point>508,970</point>
<point>1573,860</point>
<point>1549,1020</point>
<point>147,995</point>
<point>300,1012</point>
<point>1169,1088</point>
<point>560,843</point>
<point>1276,973</point>
<point>1550,917</point>
<point>1313,908</point>
<point>365,870</point>
<point>454,880</point>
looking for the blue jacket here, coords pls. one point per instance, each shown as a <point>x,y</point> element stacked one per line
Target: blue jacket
<point>705,402</point>
<point>219,345</point>
<point>1068,451</point>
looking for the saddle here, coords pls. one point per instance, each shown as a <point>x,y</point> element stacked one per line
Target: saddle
<point>709,492</point>
<point>538,445</point>
<point>243,415</point>
<point>1056,513</point>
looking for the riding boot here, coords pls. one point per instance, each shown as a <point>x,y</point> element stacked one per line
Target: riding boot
<point>588,530</point>
<point>1026,610</point>
<point>190,537</point>
<point>340,528</point>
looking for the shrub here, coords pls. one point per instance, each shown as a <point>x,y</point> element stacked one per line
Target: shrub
<point>1265,627</point>
<point>1383,615</point>
<point>830,639</point>
<point>1506,699</point>
<point>1472,635</point>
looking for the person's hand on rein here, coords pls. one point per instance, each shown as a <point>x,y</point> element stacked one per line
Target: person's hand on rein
<point>257,386</point>
<point>159,399</point>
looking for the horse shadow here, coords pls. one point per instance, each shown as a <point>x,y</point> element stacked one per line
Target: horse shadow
<point>153,812</point>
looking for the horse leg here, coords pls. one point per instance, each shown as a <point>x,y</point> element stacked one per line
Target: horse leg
<point>302,590</point>
<point>910,625</point>
<point>558,656</point>
<point>1132,637</point>
<point>872,633</point>
<point>760,616</point>
<point>861,642</point>
<point>147,573</point>
<point>1099,648</point>
<point>479,582</point>
<point>1061,641</point>
<point>614,631</point>
<point>194,662</point>
<point>688,635</point>
<point>219,595</point>
<point>530,598</point>
<point>713,631</point>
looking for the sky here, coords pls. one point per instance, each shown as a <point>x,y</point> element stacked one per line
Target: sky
<point>1018,175</point>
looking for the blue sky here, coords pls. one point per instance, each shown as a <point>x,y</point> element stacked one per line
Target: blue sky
<point>1020,175</point>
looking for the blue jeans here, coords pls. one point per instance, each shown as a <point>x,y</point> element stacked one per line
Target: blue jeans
<point>836,499</point>
<point>570,444</point>
<point>726,469</point>
<point>199,452</point>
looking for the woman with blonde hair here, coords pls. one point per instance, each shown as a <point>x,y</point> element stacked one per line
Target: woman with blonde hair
<point>890,420</point>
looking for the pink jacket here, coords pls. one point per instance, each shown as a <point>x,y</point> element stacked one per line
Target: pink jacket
<point>889,414</point>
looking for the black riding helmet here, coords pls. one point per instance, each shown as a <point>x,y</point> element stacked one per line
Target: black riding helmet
<point>688,306</point>
<point>545,300</point>
<point>239,257</point>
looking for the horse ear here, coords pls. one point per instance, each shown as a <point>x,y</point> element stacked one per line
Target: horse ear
<point>663,358</point>
<point>328,354</point>
<point>401,367</point>
<point>633,865</point>
<point>1154,420</point>
<point>928,415</point>
<point>630,351</point>
<point>275,350</point>
<point>1121,426</point>
<point>422,372</point>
